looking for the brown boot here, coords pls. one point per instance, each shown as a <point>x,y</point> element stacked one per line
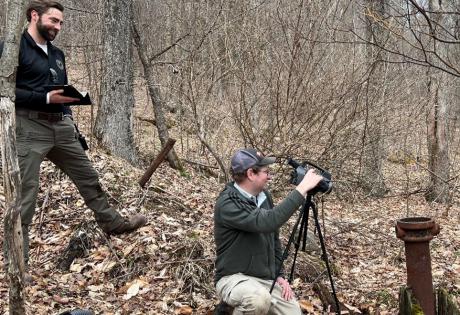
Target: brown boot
<point>223,309</point>
<point>129,225</point>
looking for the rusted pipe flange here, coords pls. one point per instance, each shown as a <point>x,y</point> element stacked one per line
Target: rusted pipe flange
<point>416,229</point>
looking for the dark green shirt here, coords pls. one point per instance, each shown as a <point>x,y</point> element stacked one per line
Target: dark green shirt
<point>246,236</point>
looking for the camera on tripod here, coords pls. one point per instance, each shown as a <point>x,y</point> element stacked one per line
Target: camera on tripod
<point>301,225</point>
<point>324,186</point>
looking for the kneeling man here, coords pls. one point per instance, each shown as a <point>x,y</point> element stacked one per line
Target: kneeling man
<point>246,224</point>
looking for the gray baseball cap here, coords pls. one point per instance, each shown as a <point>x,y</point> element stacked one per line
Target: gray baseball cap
<point>246,158</point>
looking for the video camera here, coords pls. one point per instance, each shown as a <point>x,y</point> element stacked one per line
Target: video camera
<point>324,186</point>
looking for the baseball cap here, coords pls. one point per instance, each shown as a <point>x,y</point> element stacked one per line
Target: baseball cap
<point>246,158</point>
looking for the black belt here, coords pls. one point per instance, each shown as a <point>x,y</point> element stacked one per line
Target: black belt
<point>50,117</point>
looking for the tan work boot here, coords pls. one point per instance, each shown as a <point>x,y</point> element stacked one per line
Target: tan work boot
<point>129,225</point>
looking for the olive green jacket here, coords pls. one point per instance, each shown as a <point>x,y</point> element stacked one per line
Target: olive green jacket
<point>246,236</point>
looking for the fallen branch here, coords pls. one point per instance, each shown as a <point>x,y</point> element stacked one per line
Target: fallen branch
<point>200,164</point>
<point>149,120</point>
<point>160,158</point>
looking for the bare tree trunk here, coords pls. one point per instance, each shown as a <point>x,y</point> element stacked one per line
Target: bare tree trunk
<point>372,177</point>
<point>10,167</point>
<point>438,144</point>
<point>437,138</point>
<point>438,148</point>
<point>157,102</point>
<point>114,120</point>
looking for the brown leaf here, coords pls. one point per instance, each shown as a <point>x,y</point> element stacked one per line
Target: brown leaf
<point>60,300</point>
<point>306,306</point>
<point>184,310</point>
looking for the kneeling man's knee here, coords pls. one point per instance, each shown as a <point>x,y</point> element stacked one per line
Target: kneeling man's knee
<point>258,302</point>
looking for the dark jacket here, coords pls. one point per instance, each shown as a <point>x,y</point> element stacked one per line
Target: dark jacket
<point>33,73</point>
<point>247,236</point>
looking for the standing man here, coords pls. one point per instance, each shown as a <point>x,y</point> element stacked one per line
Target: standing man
<point>44,124</point>
<point>248,248</point>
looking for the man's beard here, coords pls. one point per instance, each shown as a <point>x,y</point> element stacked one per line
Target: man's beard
<point>47,32</point>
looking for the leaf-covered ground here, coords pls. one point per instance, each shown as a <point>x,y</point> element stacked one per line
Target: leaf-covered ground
<point>167,266</point>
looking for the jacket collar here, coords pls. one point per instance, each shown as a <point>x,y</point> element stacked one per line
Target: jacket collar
<point>32,42</point>
<point>258,200</point>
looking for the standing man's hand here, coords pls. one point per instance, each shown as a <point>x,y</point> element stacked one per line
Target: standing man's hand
<point>56,97</point>
<point>286,292</point>
<point>309,181</point>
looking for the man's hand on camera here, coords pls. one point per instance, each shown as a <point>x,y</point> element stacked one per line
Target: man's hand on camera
<point>310,180</point>
<point>286,292</point>
<point>56,97</point>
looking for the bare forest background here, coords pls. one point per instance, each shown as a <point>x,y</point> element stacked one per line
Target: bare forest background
<point>368,89</point>
<point>351,85</point>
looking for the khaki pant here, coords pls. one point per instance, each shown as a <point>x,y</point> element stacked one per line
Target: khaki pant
<point>57,141</point>
<point>250,295</point>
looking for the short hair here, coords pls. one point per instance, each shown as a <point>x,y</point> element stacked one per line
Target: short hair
<point>41,6</point>
<point>239,177</point>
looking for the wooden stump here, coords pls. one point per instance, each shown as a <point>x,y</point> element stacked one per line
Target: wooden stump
<point>408,305</point>
<point>446,305</point>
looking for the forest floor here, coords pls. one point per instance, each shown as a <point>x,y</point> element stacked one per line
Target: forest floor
<point>166,267</point>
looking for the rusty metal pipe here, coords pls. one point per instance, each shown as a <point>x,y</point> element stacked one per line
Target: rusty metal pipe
<point>417,232</point>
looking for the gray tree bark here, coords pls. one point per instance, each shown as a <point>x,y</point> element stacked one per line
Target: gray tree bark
<point>114,123</point>
<point>157,101</point>
<point>10,167</point>
<point>439,107</point>
<point>372,179</point>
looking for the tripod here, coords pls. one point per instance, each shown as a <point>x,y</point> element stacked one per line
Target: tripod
<point>302,236</point>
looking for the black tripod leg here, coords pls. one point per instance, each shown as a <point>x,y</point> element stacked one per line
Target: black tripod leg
<point>305,231</point>
<point>302,234</point>
<point>288,246</point>
<point>325,258</point>
<point>298,240</point>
